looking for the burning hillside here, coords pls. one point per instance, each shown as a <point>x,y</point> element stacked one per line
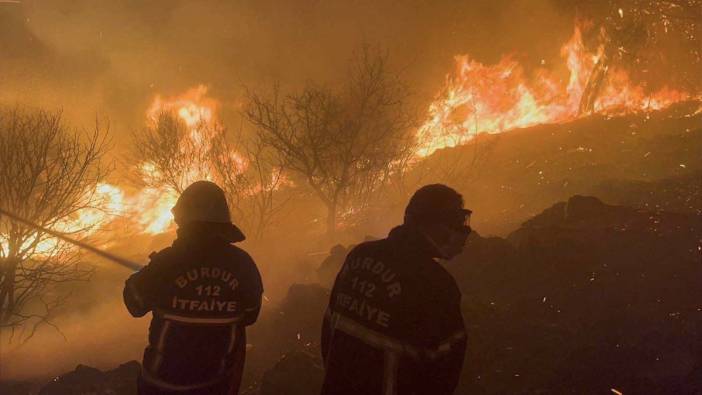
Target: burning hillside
<point>476,98</point>
<point>495,98</point>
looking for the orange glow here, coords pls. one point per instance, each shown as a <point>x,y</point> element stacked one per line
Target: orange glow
<point>110,200</point>
<point>476,98</point>
<point>480,98</point>
<point>154,209</point>
<point>198,113</point>
<point>193,106</point>
<point>149,209</point>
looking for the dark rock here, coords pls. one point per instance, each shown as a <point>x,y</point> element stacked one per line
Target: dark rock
<point>331,265</point>
<point>19,387</point>
<point>299,316</point>
<point>295,325</point>
<point>87,380</point>
<point>681,194</point>
<point>296,373</point>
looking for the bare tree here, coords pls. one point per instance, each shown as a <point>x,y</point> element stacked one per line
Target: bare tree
<point>175,154</point>
<point>48,175</point>
<point>345,143</point>
<point>256,191</point>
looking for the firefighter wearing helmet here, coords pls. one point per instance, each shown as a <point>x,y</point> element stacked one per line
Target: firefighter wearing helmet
<point>203,292</point>
<point>394,324</point>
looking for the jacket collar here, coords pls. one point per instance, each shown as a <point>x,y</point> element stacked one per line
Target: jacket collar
<point>412,239</point>
<point>206,234</point>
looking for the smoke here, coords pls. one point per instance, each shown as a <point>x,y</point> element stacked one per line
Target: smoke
<point>105,337</point>
<point>94,329</point>
<point>111,58</point>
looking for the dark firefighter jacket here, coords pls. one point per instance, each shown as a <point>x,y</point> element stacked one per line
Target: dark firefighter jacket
<point>203,292</point>
<point>394,324</point>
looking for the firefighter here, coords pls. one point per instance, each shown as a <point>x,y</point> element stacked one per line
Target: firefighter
<point>203,292</point>
<point>394,324</point>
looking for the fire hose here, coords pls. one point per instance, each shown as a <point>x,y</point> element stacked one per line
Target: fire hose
<point>109,256</point>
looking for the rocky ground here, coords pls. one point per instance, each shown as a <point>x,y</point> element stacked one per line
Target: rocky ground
<point>83,380</point>
<point>586,297</point>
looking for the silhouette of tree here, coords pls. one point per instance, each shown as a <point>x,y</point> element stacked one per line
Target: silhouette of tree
<point>175,154</point>
<point>344,143</point>
<point>48,175</point>
<point>257,194</point>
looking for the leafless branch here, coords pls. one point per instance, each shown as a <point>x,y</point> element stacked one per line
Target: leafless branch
<point>345,143</point>
<point>48,175</point>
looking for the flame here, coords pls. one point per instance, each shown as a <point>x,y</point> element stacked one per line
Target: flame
<point>148,208</point>
<point>198,111</point>
<point>475,98</point>
<point>154,208</point>
<point>494,98</point>
<point>193,106</point>
<point>105,201</point>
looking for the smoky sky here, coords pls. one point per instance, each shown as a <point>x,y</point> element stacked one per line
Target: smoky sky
<point>109,58</point>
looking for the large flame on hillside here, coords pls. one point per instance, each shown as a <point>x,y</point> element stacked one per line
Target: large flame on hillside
<point>495,98</point>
